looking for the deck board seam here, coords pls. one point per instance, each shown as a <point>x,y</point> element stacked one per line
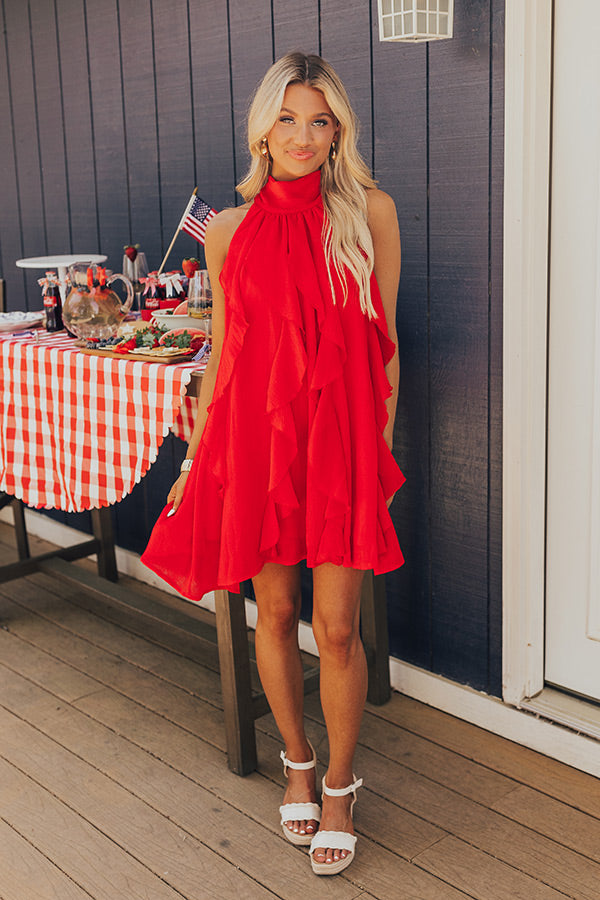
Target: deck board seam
<point>552,887</point>
<point>46,857</point>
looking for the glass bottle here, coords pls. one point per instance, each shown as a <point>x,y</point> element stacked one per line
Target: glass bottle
<point>53,303</point>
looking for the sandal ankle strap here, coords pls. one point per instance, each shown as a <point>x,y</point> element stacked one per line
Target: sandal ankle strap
<point>341,792</point>
<point>301,767</point>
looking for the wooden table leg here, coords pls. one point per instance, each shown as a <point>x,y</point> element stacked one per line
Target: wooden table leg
<point>19,520</point>
<point>103,532</point>
<point>374,631</point>
<point>234,663</point>
<point>20,529</point>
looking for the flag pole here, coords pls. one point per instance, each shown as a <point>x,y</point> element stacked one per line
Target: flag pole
<point>178,229</point>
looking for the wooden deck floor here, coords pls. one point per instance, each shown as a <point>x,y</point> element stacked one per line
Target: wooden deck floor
<point>114,783</point>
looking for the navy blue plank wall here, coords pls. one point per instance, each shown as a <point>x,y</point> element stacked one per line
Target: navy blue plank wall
<point>113,110</point>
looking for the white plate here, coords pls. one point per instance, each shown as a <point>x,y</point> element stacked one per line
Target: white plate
<point>171,322</point>
<point>19,321</point>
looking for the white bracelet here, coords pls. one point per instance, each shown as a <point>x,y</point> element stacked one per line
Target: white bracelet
<point>186,465</point>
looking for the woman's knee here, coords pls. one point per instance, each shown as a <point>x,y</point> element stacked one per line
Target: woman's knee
<point>336,637</point>
<point>278,599</point>
<point>336,610</point>
<point>279,617</point>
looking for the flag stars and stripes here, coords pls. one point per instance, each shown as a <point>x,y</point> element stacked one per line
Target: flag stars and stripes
<point>197,218</point>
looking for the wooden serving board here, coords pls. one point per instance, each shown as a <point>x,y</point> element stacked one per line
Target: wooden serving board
<point>145,357</point>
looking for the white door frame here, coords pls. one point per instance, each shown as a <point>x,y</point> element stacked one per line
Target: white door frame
<point>528,61</point>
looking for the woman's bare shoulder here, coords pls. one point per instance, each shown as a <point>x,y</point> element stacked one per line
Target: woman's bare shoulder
<point>220,231</point>
<point>380,207</point>
<point>223,226</point>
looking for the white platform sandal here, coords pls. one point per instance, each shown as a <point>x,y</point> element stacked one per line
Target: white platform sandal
<point>338,840</point>
<point>294,812</point>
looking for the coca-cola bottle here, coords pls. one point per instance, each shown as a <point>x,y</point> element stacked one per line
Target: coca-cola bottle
<point>53,303</point>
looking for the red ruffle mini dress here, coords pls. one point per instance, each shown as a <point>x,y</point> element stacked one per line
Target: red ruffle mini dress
<point>292,463</point>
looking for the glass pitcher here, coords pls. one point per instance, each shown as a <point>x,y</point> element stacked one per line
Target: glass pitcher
<point>91,310</point>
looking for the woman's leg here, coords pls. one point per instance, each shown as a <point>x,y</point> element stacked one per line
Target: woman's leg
<point>277,590</point>
<point>336,619</point>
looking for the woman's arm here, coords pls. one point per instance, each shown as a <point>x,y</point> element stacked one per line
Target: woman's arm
<point>219,232</point>
<point>383,225</point>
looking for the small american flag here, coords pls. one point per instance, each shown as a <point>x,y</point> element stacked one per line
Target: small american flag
<point>196,218</point>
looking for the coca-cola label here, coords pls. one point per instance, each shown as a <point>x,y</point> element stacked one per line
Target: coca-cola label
<point>50,301</point>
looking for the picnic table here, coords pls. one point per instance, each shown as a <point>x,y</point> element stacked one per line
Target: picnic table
<point>78,432</point>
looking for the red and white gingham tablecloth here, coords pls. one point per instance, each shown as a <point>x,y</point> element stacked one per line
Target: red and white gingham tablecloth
<point>79,431</point>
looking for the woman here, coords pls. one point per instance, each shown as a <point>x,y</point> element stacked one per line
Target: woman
<point>290,454</point>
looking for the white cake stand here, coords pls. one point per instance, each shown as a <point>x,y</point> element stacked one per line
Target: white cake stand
<point>61,264</point>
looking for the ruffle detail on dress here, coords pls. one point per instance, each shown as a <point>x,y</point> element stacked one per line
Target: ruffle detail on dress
<point>285,382</point>
<point>331,480</point>
<point>359,463</point>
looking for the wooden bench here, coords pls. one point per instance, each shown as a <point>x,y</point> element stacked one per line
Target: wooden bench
<point>241,707</point>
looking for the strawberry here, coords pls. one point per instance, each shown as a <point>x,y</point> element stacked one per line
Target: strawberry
<point>126,346</point>
<point>131,250</point>
<point>190,265</point>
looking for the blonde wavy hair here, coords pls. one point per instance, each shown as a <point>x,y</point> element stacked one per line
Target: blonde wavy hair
<point>344,180</point>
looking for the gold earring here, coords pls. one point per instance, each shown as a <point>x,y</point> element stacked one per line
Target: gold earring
<point>333,150</point>
<point>264,148</point>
